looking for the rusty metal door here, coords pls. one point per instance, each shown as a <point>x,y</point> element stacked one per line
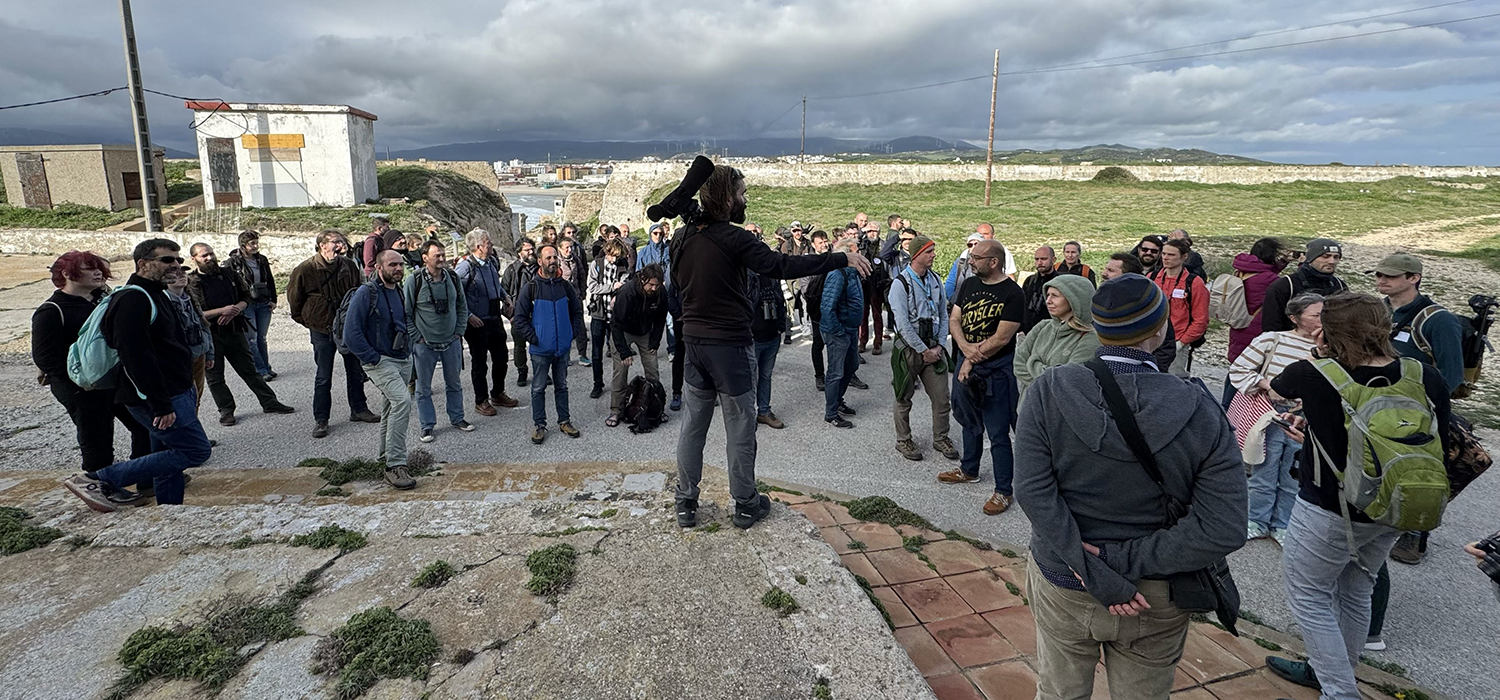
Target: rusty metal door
<point>34,189</point>
<point>223,171</point>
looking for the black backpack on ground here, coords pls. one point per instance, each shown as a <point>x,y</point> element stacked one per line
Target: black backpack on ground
<point>645,402</point>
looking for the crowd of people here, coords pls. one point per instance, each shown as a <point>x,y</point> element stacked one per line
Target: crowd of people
<point>1080,380</point>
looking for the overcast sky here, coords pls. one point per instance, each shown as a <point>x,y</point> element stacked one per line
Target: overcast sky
<point>443,71</point>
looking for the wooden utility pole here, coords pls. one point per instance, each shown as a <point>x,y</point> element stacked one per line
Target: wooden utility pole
<point>144,159</point>
<point>802,150</point>
<point>989,153</point>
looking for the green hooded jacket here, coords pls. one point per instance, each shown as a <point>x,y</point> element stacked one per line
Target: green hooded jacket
<point>1053,342</point>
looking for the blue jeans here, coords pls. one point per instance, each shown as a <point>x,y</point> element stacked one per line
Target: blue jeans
<point>258,313</point>
<point>557,365</point>
<point>843,359</point>
<point>992,413</point>
<point>324,353</point>
<point>1273,490</point>
<point>172,450</point>
<point>426,360</point>
<point>765,362</point>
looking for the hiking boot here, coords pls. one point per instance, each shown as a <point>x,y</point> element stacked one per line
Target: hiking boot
<point>364,416</point>
<point>597,392</point>
<point>838,422</point>
<point>747,515</point>
<point>771,421</point>
<point>484,408</point>
<point>818,382</point>
<point>567,429</point>
<point>521,376</point>
<point>503,400</point>
<point>857,383</point>
<point>676,404</point>
<point>1408,549</point>
<point>1297,672</point>
<point>945,446</point>
<point>91,492</point>
<point>427,435</point>
<point>278,407</point>
<point>320,429</point>
<point>876,351</point>
<point>957,476</point>
<point>844,409</point>
<point>400,478</point>
<point>997,504</point>
<point>464,425</point>
<point>909,450</point>
<point>538,435</point>
<point>227,418</point>
<point>687,513</point>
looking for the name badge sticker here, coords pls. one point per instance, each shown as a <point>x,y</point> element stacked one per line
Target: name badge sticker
<point>1402,337</point>
<point>1179,294</point>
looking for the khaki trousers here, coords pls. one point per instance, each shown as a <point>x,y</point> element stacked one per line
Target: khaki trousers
<point>645,357</point>
<point>1072,628</point>
<point>936,386</point>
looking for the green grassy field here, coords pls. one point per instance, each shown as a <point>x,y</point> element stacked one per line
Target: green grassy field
<point>1109,217</point>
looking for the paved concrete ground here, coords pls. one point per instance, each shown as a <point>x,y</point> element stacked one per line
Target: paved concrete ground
<point>1440,622</point>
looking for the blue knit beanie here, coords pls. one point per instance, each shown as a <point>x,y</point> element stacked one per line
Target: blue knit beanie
<point>1128,310</point>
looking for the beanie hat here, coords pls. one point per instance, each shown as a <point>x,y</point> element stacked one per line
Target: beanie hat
<point>1128,310</point>
<point>1318,247</point>
<point>918,244</point>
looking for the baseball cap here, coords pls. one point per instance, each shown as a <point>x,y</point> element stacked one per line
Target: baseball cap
<point>1398,264</point>
<point>796,224</point>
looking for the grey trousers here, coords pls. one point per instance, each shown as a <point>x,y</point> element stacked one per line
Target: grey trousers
<point>391,376</point>
<point>729,372</point>
<point>1329,594</point>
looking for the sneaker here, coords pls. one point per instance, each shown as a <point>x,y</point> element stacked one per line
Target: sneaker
<point>567,429</point>
<point>91,492</point>
<point>862,360</point>
<point>845,410</point>
<point>956,476</point>
<point>267,377</point>
<point>597,392</point>
<point>320,429</point>
<point>1255,531</point>
<point>997,504</point>
<point>278,407</point>
<point>1297,672</point>
<point>838,422</point>
<point>1408,549</point>
<point>857,383</point>
<point>427,435</point>
<point>1279,534</point>
<point>676,404</point>
<point>747,515</point>
<point>484,408</point>
<point>364,416</point>
<point>464,425</point>
<point>400,478</point>
<point>272,374</point>
<point>521,377</point>
<point>227,418</point>
<point>585,361</point>
<point>945,446</point>
<point>771,421</point>
<point>538,434</point>
<point>687,513</point>
<point>909,450</point>
<point>503,400</point>
<point>818,382</point>
<point>1374,643</point>
<point>876,351</point>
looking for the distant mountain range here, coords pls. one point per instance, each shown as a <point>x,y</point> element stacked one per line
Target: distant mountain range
<point>22,136</point>
<point>1115,153</point>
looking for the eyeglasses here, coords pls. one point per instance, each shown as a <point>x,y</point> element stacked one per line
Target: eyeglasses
<point>1144,249</point>
<point>170,260</point>
<point>984,257</point>
<point>970,244</point>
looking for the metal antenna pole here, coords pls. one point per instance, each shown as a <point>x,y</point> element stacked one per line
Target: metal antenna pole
<point>802,150</point>
<point>144,158</point>
<point>989,153</point>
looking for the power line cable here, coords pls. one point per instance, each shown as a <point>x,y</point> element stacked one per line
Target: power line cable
<point>64,99</point>
<point>777,119</point>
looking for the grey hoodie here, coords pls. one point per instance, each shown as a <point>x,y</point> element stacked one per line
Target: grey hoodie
<point>1077,481</point>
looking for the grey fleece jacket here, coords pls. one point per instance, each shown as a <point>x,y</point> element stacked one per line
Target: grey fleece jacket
<point>1077,481</point>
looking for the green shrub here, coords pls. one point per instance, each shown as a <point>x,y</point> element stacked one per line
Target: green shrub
<point>552,569</point>
<point>433,575</point>
<point>331,536</point>
<point>375,644</point>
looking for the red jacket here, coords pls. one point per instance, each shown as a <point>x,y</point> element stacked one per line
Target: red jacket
<point>1187,297</point>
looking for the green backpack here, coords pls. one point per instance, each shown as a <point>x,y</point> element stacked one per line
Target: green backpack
<point>1400,479</point>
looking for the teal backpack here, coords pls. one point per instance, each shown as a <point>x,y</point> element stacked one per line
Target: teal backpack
<point>1394,470</point>
<point>91,361</point>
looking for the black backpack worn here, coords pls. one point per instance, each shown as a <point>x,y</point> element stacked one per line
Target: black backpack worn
<point>338,317</point>
<point>812,296</point>
<point>645,402</point>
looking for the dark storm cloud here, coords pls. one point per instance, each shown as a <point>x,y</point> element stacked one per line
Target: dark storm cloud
<point>442,71</point>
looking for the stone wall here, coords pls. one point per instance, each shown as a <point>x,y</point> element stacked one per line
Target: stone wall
<point>479,171</point>
<point>631,183</point>
<point>284,250</point>
<point>582,205</point>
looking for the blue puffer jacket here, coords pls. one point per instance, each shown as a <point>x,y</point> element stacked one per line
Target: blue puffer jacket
<point>843,303</point>
<point>549,315</point>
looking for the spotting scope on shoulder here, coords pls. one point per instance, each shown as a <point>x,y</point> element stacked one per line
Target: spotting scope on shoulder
<point>680,202</point>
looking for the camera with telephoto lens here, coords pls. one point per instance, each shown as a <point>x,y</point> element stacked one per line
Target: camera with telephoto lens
<point>1482,302</point>
<point>1490,565</point>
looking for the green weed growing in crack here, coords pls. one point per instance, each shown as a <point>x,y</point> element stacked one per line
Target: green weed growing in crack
<point>552,569</point>
<point>1268,644</point>
<point>434,575</point>
<point>800,579</point>
<point>247,541</point>
<point>879,509</point>
<point>780,601</point>
<point>16,536</point>
<point>1012,588</point>
<point>821,498</point>
<point>1392,668</point>
<point>1009,554</point>
<point>1402,693</point>
<point>821,691</point>
<point>864,584</point>
<point>764,487</point>
<point>710,528</point>
<point>856,544</point>
<point>913,544</point>
<point>375,643</point>
<point>609,512</point>
<point>573,531</point>
<point>332,492</point>
<point>978,544</point>
<point>331,536</point>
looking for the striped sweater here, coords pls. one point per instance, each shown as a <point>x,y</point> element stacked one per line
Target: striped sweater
<point>1266,357</point>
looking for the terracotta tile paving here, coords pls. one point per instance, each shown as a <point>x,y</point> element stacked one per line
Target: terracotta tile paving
<point>1243,647</point>
<point>930,658</point>
<point>954,687</point>
<point>993,557</point>
<point>953,557</point>
<point>924,533</point>
<point>933,600</point>
<point>857,564</point>
<point>1204,660</point>
<point>1013,680</point>
<point>1195,694</point>
<point>900,566</point>
<point>970,641</point>
<point>876,536</point>
<point>838,539</point>
<point>841,515</point>
<point>817,513</point>
<point>983,590</point>
<point>900,614</point>
<point>1018,627</point>
<point>1253,686</point>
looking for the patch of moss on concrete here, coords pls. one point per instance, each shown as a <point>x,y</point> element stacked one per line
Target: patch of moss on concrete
<point>16,536</point>
<point>552,569</point>
<point>780,601</point>
<point>331,536</point>
<point>434,575</point>
<point>375,644</point>
<point>879,509</point>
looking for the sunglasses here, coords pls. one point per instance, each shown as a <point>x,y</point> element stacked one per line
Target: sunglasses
<point>170,260</point>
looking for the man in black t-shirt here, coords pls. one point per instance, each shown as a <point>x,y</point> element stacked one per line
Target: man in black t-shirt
<point>986,315</point>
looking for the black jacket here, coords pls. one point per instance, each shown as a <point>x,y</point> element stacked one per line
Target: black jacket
<point>241,265</point>
<point>54,326</point>
<point>155,355</point>
<point>1036,299</point>
<point>216,290</point>
<point>637,313</point>
<point>1304,279</point>
<point>708,266</point>
<point>517,276</point>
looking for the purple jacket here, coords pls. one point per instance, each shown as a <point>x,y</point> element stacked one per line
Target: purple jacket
<point>1261,277</point>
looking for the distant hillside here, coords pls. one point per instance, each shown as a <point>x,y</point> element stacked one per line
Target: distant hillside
<point>1117,154</point>
<point>557,151</point>
<point>22,136</point>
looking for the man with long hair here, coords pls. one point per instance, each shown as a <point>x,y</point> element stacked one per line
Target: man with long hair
<point>710,256</point>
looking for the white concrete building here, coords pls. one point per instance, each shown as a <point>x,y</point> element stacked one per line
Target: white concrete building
<point>281,155</point>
